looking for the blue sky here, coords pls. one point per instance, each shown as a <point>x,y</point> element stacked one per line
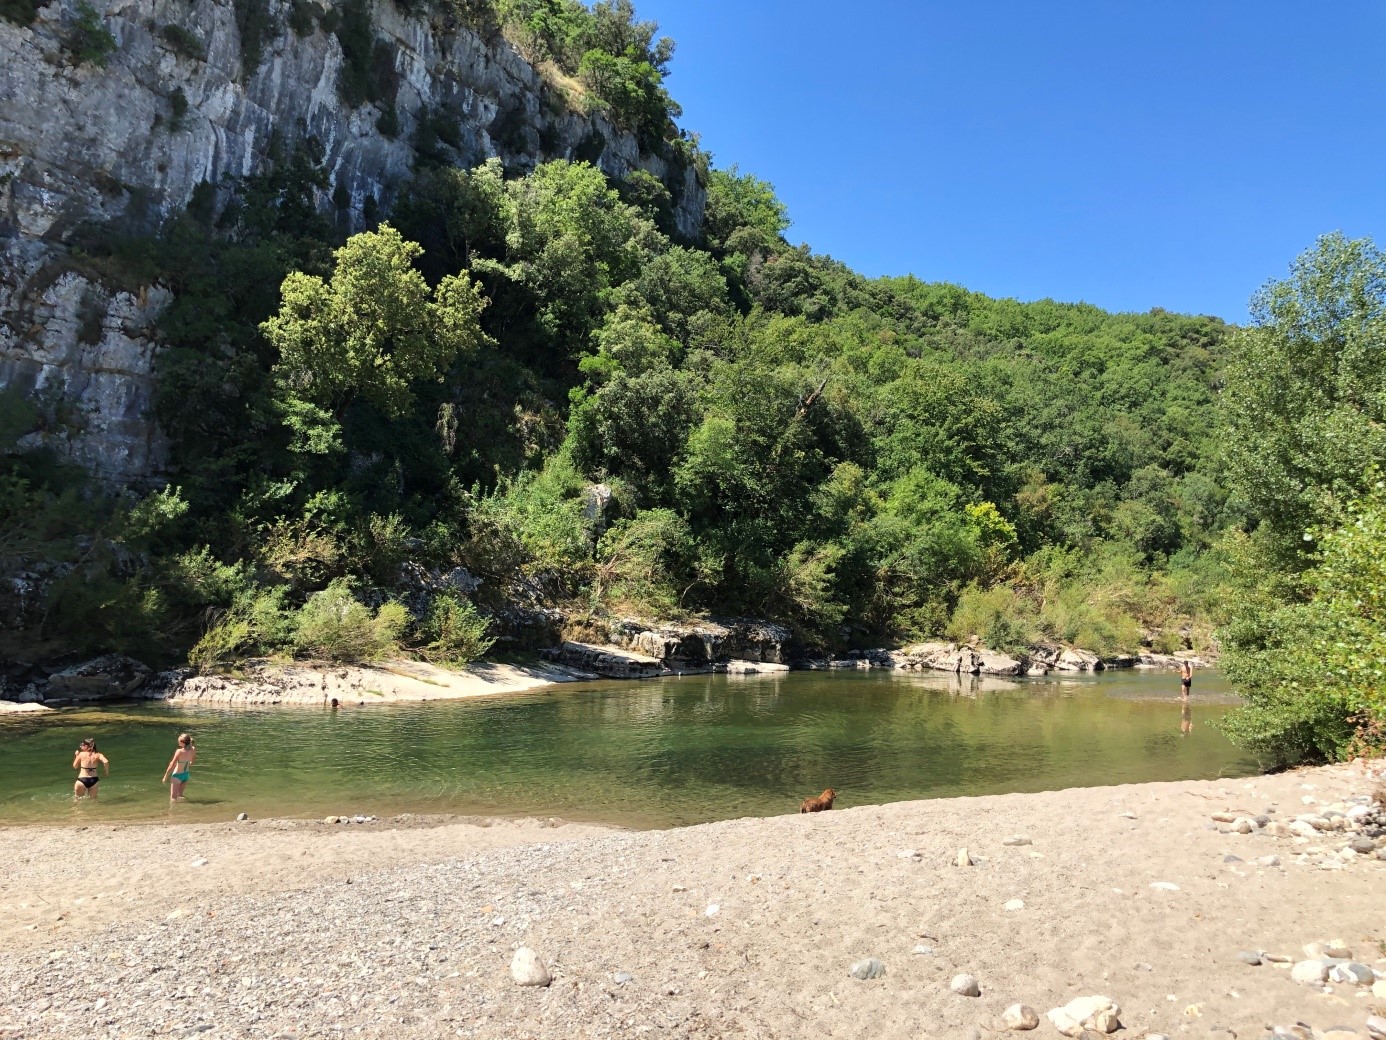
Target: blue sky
<point>1130,155</point>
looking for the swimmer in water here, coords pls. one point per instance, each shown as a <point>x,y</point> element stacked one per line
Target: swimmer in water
<point>85,762</point>
<point>180,767</point>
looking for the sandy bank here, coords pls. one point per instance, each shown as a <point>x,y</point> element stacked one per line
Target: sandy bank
<point>302,929</point>
<point>264,682</point>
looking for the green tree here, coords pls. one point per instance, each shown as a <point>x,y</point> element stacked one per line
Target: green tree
<point>1305,397</point>
<point>374,328</point>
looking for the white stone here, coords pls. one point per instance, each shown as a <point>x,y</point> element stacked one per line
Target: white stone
<point>965,985</point>
<point>867,969</point>
<point>712,910</point>
<point>963,858</point>
<point>1312,973</point>
<point>1017,839</point>
<point>1379,989</point>
<point>1164,886</point>
<point>1243,825</point>
<point>1014,904</point>
<point>1019,1018</point>
<point>199,862</point>
<point>528,970</point>
<point>1097,1013</point>
<point>1301,829</point>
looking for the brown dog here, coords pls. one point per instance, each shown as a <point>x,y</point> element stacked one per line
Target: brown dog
<point>818,804</point>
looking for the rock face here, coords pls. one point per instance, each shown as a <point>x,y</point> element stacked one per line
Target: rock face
<point>86,144</point>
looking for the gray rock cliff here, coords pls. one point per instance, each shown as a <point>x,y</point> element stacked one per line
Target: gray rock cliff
<point>80,143</point>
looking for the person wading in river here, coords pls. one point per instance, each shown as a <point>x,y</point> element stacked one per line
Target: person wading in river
<point>1185,678</point>
<point>180,767</point>
<point>85,762</point>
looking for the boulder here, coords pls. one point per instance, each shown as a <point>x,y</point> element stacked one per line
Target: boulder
<point>1074,660</point>
<point>111,677</point>
<point>1097,1013</point>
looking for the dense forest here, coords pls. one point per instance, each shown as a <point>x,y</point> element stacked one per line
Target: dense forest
<point>532,377</point>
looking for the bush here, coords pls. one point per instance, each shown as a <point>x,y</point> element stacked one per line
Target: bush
<point>258,622</point>
<point>456,632</point>
<point>333,625</point>
<point>256,27</point>
<point>88,39</point>
<point>21,12</point>
<point>184,42</point>
<point>301,19</point>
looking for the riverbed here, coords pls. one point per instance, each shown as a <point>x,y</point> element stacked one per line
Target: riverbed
<point>658,753</point>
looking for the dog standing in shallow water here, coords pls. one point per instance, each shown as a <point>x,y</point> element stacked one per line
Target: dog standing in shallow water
<point>820,803</point>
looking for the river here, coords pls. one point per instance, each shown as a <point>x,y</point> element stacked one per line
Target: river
<point>650,754</point>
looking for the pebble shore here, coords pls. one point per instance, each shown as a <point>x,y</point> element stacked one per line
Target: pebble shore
<point>1147,910</point>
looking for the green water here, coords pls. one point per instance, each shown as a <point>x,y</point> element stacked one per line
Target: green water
<point>657,753</point>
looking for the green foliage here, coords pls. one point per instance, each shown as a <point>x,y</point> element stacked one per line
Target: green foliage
<point>1305,399</point>
<point>334,626</point>
<point>184,42</point>
<point>178,105</point>
<point>455,632</point>
<point>256,26</point>
<point>1313,666</point>
<point>368,73</point>
<point>302,18</point>
<point>374,328</point>
<point>88,40</point>
<point>20,12</point>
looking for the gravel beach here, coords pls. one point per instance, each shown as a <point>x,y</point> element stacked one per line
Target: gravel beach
<point>748,928</point>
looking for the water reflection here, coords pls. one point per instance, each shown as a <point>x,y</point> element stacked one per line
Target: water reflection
<point>1185,716</point>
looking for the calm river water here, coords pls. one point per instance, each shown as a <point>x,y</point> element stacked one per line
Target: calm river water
<point>656,753</point>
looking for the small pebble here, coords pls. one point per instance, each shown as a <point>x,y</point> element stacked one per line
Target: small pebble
<point>870,968</point>
<point>1247,957</point>
<point>242,817</point>
<point>1015,904</point>
<point>622,977</point>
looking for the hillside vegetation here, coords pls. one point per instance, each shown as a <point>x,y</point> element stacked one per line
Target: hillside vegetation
<point>528,377</point>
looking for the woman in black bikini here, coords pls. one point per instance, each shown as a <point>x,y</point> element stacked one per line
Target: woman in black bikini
<point>85,762</point>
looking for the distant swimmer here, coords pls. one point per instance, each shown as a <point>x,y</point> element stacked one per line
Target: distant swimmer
<point>86,762</point>
<point>180,767</point>
<point>1185,678</point>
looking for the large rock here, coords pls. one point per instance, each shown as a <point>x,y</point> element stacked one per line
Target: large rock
<point>111,677</point>
<point>610,662</point>
<point>87,144</point>
<point>1097,1013</point>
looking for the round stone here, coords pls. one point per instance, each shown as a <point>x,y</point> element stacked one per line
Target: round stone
<point>965,985</point>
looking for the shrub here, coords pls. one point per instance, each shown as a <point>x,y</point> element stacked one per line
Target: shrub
<point>301,19</point>
<point>258,622</point>
<point>184,42</point>
<point>256,27</point>
<point>88,39</point>
<point>21,12</point>
<point>178,103</point>
<point>456,631</point>
<point>388,123</point>
<point>335,626</point>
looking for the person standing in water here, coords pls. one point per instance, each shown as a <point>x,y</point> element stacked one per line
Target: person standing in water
<point>1185,678</point>
<point>180,767</point>
<point>86,762</point>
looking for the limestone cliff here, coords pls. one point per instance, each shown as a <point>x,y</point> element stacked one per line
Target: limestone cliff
<point>172,108</point>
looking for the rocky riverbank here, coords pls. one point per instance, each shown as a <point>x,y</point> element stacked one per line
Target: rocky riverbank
<point>565,650</point>
<point>1157,910</point>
